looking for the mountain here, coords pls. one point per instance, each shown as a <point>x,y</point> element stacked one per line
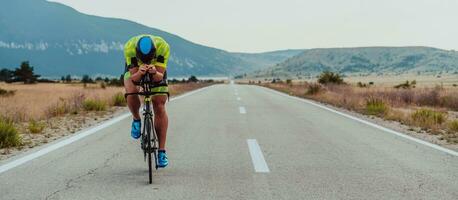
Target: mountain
<point>59,40</point>
<point>263,60</point>
<point>365,60</point>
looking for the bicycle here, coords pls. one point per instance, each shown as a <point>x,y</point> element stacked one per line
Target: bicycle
<point>149,141</point>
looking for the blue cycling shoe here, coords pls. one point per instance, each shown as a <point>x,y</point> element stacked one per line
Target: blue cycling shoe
<point>136,129</point>
<point>162,160</point>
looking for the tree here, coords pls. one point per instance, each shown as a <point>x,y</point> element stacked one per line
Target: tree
<point>193,79</point>
<point>86,79</point>
<point>25,73</point>
<point>68,78</point>
<point>6,75</point>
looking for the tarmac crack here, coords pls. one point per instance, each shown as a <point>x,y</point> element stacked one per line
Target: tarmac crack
<point>72,183</point>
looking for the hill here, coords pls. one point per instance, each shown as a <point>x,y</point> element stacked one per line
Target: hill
<point>365,60</point>
<point>59,40</point>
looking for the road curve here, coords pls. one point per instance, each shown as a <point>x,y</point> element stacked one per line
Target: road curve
<point>242,142</point>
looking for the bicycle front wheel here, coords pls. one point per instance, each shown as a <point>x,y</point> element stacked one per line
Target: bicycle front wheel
<point>149,148</point>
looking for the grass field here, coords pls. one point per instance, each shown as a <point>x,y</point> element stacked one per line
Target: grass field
<point>33,101</point>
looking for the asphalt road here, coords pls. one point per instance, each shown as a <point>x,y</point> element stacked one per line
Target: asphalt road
<point>241,142</point>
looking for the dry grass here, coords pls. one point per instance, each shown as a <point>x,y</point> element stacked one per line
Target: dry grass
<point>376,106</point>
<point>40,101</point>
<point>428,119</point>
<point>119,99</point>
<point>421,106</point>
<point>36,127</point>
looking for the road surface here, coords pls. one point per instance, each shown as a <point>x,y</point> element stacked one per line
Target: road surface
<point>241,142</point>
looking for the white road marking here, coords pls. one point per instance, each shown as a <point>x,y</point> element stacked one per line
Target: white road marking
<point>257,158</point>
<point>232,82</point>
<point>434,146</point>
<point>78,136</point>
<point>238,99</point>
<point>242,110</point>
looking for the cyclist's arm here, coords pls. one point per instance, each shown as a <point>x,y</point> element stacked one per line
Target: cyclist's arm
<point>137,73</point>
<point>163,53</point>
<point>159,74</point>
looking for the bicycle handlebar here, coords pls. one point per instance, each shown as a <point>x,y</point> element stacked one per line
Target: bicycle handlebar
<point>147,81</point>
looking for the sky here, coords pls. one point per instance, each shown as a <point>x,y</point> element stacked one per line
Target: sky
<point>266,25</point>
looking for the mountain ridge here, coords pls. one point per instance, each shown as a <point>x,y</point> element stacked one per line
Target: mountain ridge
<point>59,40</point>
<point>365,60</point>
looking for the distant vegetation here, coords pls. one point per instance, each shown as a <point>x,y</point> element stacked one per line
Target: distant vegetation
<point>406,85</point>
<point>22,74</point>
<point>365,61</point>
<point>6,93</point>
<point>328,77</point>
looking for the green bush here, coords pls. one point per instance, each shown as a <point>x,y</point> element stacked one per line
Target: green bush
<point>6,93</point>
<point>453,126</point>
<point>330,77</point>
<point>36,127</point>
<point>60,108</point>
<point>406,85</point>
<point>119,100</point>
<point>9,136</point>
<point>94,105</point>
<point>361,85</point>
<point>375,106</point>
<point>313,89</point>
<point>428,118</point>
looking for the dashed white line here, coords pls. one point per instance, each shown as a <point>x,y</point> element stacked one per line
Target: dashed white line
<point>257,158</point>
<point>78,136</point>
<point>242,110</point>
<point>238,98</point>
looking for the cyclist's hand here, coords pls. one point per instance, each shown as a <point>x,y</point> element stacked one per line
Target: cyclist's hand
<point>142,70</point>
<point>152,69</point>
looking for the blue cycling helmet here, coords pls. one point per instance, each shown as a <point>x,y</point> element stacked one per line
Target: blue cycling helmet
<point>145,49</point>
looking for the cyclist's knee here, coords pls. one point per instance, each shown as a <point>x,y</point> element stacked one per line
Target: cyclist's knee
<point>159,104</point>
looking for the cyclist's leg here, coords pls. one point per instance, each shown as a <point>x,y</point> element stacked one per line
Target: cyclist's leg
<point>160,119</point>
<point>133,101</point>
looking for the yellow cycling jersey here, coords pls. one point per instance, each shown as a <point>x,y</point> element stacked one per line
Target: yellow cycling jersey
<point>162,51</point>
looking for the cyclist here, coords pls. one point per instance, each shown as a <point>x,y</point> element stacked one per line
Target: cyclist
<point>148,54</point>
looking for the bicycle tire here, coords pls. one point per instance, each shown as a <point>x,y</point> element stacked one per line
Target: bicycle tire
<point>154,143</point>
<point>149,148</point>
